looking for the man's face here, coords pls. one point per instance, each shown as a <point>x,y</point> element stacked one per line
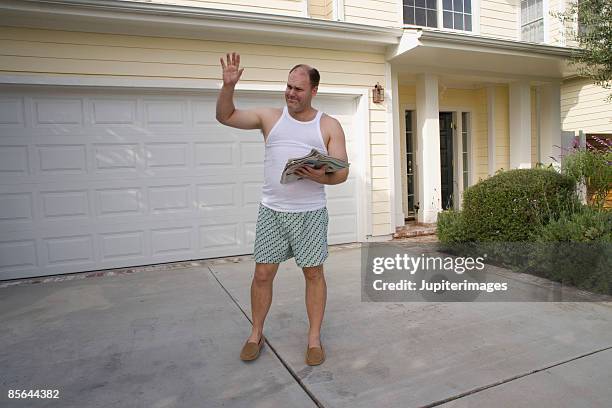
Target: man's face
<point>299,93</point>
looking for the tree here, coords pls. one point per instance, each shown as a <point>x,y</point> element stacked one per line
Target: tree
<point>594,37</point>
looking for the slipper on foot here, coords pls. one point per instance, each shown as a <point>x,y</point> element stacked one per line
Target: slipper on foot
<point>315,355</point>
<point>250,351</point>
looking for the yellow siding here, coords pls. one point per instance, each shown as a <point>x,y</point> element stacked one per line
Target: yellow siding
<point>499,18</point>
<point>583,107</point>
<point>54,52</point>
<point>382,13</point>
<point>321,9</point>
<point>556,30</point>
<point>502,128</point>
<point>280,7</point>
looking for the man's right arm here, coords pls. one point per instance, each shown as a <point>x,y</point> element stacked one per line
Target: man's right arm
<point>228,115</point>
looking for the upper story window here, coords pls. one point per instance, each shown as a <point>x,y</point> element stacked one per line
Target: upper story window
<point>421,12</point>
<point>532,20</point>
<point>456,14</point>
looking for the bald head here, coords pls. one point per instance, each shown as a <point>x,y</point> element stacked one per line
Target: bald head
<point>312,73</point>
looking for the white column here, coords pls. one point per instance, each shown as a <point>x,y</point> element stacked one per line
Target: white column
<point>393,117</point>
<point>550,123</point>
<point>491,129</point>
<point>428,148</point>
<point>520,125</point>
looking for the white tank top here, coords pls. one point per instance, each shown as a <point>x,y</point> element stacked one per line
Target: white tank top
<point>288,139</point>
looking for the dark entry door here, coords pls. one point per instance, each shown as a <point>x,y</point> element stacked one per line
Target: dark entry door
<point>446,159</point>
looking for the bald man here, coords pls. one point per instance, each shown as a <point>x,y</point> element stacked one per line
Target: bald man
<point>292,220</point>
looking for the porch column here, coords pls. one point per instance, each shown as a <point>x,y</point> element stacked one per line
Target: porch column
<point>393,117</point>
<point>520,125</point>
<point>428,148</point>
<point>491,145</point>
<point>550,124</point>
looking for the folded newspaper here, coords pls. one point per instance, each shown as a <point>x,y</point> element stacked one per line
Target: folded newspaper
<point>315,159</point>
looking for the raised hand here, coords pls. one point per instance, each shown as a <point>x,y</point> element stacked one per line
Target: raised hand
<point>231,69</point>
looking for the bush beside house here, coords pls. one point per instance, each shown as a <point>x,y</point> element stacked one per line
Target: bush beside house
<point>532,221</point>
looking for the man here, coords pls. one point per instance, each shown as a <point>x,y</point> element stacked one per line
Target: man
<point>292,220</point>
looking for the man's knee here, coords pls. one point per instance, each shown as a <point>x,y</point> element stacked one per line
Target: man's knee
<point>313,272</point>
<point>264,273</point>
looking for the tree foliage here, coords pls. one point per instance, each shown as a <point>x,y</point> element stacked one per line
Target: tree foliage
<point>594,37</point>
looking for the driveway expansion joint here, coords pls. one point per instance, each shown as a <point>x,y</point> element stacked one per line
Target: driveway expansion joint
<point>507,380</point>
<point>267,341</point>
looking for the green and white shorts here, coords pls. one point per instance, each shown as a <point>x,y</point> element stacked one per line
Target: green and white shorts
<point>283,235</point>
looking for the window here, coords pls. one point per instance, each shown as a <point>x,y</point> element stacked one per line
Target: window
<point>410,162</point>
<point>532,20</point>
<point>421,12</point>
<point>465,119</point>
<point>457,14</point>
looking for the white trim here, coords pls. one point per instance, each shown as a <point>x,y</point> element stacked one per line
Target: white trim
<point>476,17</point>
<point>403,109</point>
<point>364,189</point>
<point>519,18</point>
<point>468,41</point>
<point>164,83</point>
<point>395,179</point>
<point>305,12</point>
<point>154,19</point>
<point>338,10</point>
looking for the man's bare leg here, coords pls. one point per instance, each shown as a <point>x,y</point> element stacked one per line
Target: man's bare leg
<point>316,297</point>
<point>261,297</point>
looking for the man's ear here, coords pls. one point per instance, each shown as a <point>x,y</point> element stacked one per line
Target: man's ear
<point>314,90</point>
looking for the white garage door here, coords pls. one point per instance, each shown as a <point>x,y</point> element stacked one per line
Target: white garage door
<point>96,179</point>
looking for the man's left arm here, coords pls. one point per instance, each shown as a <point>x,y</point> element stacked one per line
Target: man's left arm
<point>336,147</point>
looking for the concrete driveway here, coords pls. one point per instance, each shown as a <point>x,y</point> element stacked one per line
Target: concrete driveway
<point>170,336</point>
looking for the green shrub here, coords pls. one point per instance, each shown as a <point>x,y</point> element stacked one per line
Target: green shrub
<point>584,225</point>
<point>592,168</point>
<point>450,228</point>
<point>575,249</point>
<point>511,205</point>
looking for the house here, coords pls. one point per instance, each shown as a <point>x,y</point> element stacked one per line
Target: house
<point>110,155</point>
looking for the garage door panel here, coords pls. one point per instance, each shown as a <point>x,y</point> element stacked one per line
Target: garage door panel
<point>216,155</point>
<point>113,112</point>
<point>126,245</point>
<point>65,159</point>
<point>173,156</point>
<point>58,113</point>
<point>341,229</point>
<point>96,179</point>
<point>113,158</point>
<point>18,257</point>
<point>13,160</point>
<point>12,112</point>
<point>16,209</point>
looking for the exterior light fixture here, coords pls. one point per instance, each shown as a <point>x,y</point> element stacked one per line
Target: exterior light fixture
<point>378,93</point>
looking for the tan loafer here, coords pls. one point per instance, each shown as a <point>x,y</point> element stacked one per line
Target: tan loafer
<point>250,351</point>
<point>315,355</point>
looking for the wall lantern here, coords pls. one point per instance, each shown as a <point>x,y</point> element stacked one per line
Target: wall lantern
<point>378,93</point>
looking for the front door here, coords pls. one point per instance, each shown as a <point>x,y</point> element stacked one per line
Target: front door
<point>446,159</point>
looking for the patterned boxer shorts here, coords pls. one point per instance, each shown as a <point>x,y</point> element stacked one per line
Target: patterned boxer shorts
<point>283,235</point>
